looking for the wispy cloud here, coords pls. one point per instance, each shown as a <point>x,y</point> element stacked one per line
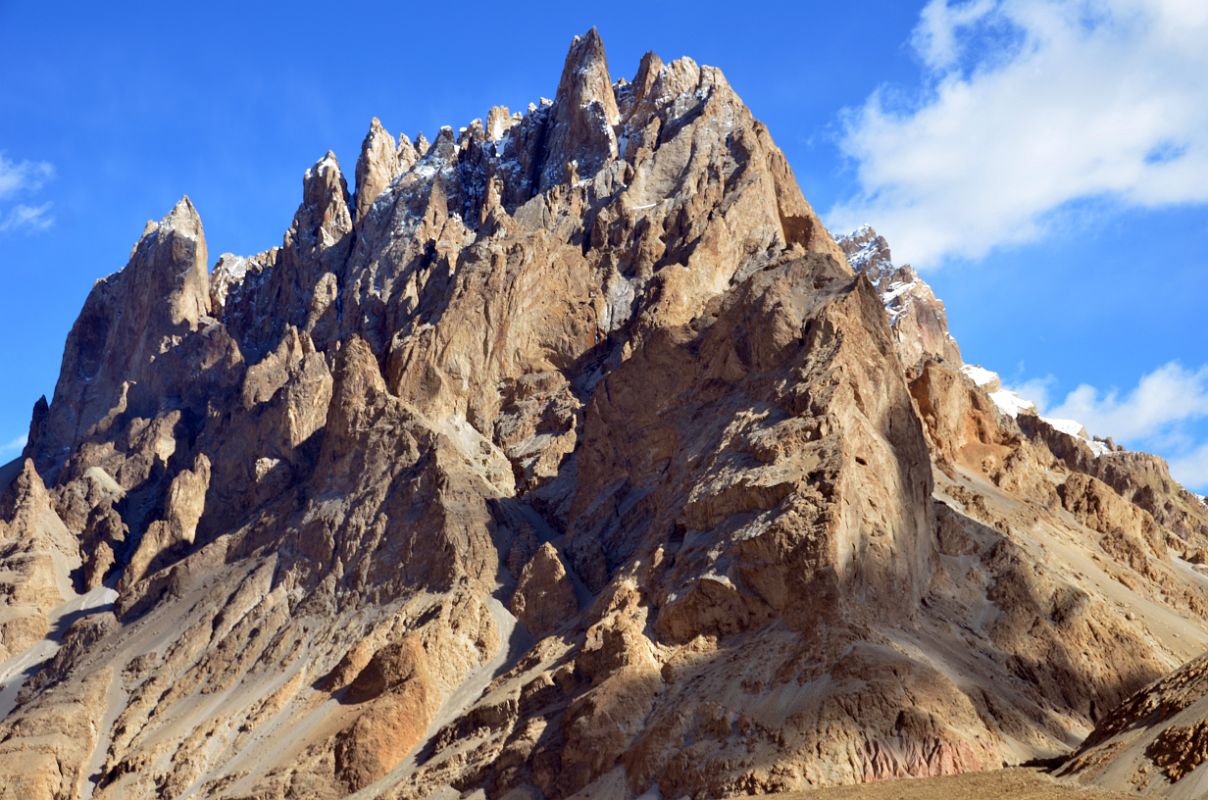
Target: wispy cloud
<point>30,218</point>
<point>1192,467</point>
<point>19,179</point>
<point>1027,107</point>
<point>14,447</point>
<point>1163,399</point>
<point>23,176</point>
<point>1163,413</point>
<point>935,36</point>
<point>1036,389</point>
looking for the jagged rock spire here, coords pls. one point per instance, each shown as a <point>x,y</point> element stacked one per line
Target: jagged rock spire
<point>188,293</point>
<point>34,542</point>
<point>499,119</point>
<point>129,320</point>
<point>648,72</point>
<point>405,154</point>
<point>377,166</point>
<point>324,218</point>
<point>585,77</point>
<point>584,113</point>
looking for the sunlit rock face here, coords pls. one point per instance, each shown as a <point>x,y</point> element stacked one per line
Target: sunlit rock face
<point>918,320</point>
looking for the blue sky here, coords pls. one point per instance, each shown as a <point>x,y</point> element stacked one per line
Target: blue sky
<point>1045,164</point>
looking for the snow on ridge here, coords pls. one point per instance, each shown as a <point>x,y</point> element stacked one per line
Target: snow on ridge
<point>871,257</point>
<point>1010,403</point>
<point>980,375</point>
<point>1070,427</point>
<point>860,259</point>
<point>1074,428</point>
<point>1007,401</point>
<point>896,290</point>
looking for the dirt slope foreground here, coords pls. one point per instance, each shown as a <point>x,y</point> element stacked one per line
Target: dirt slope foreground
<point>568,457</point>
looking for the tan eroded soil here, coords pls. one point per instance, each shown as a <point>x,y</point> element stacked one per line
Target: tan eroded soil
<point>1018,783</point>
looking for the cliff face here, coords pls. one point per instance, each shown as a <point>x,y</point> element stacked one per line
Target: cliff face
<point>567,456</point>
<point>916,317</point>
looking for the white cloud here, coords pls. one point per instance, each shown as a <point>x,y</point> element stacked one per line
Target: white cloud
<point>1036,390</point>
<point>23,176</point>
<point>1192,468</point>
<point>1163,413</point>
<point>14,447</point>
<point>934,38</point>
<point>1163,399</point>
<point>1030,106</point>
<point>29,218</point>
<point>19,178</point>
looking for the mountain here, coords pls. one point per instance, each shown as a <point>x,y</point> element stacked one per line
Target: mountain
<point>566,456</point>
<point>918,320</point>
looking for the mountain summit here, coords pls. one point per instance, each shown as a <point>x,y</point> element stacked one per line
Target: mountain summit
<point>565,456</point>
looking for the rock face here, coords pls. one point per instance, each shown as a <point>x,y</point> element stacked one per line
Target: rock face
<point>568,457</point>
<point>544,599</point>
<point>918,319</point>
<point>1155,742</point>
<point>34,548</point>
<point>380,163</point>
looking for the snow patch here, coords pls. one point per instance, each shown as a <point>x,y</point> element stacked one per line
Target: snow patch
<point>1010,403</point>
<point>1075,429</point>
<point>1070,427</point>
<point>235,267</point>
<point>980,375</point>
<point>896,290</point>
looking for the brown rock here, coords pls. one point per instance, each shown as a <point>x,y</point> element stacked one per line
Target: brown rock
<point>918,319</point>
<point>36,552</point>
<point>129,321</point>
<point>378,164</point>
<point>584,113</point>
<point>398,683</point>
<point>183,507</point>
<point>544,599</point>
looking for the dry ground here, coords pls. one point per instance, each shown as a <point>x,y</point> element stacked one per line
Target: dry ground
<point>1008,784</point>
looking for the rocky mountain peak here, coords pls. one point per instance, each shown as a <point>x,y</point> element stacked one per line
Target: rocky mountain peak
<point>130,320</point>
<point>323,218</point>
<point>649,70</point>
<point>421,144</point>
<point>918,318</point>
<point>171,264</point>
<point>585,79</point>
<point>406,153</point>
<point>571,460</point>
<point>25,491</point>
<point>380,162</point>
<point>499,120</point>
<point>584,112</point>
